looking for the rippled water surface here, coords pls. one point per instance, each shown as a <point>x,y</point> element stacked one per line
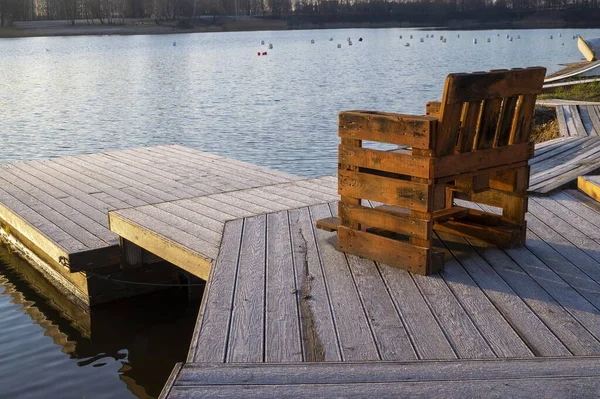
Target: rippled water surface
<point>49,348</point>
<point>211,91</point>
<point>61,96</point>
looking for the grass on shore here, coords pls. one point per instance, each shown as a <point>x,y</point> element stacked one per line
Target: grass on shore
<point>545,126</point>
<point>582,92</point>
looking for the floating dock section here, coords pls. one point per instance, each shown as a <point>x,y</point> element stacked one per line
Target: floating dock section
<point>55,212</point>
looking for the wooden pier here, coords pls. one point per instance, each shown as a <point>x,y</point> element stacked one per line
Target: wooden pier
<point>285,313</point>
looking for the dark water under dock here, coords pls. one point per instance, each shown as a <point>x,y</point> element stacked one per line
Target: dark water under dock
<point>50,348</point>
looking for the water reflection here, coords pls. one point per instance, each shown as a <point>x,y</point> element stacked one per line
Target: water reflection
<point>51,348</point>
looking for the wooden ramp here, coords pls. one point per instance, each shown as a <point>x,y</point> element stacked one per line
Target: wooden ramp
<point>517,378</point>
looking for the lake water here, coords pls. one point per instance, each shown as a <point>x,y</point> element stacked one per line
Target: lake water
<point>62,96</point>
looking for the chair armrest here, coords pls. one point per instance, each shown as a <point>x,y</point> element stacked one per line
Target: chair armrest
<point>433,108</point>
<point>409,130</point>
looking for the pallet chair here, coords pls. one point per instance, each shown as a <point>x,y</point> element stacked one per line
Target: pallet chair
<point>473,145</point>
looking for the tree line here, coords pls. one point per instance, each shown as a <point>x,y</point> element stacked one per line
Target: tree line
<point>115,11</point>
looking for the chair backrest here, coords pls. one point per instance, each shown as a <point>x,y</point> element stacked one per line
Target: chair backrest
<point>484,110</point>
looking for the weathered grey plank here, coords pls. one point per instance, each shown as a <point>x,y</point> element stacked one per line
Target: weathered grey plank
<point>568,175</point>
<point>54,234</point>
<point>242,204</point>
<point>494,328</point>
<point>595,117</point>
<point>195,229</point>
<point>312,193</point>
<point>581,203</point>
<point>566,147</point>
<point>566,211</point>
<point>155,176</point>
<point>92,179</point>
<point>247,196</point>
<point>132,187</point>
<point>243,165</point>
<point>466,340</point>
<point>562,122</point>
<point>538,338</point>
<point>391,338</point>
<point>319,338</point>
<point>284,190</point>
<point>246,338</point>
<point>210,344</point>
<point>277,195</point>
<point>577,121</point>
<point>224,207</point>
<point>539,223</point>
<point>57,212</point>
<point>587,120</point>
<point>205,177</point>
<point>354,332</point>
<point>176,208</point>
<point>225,165</point>
<point>282,326</point>
<point>56,190</point>
<point>217,214</point>
<point>571,333</point>
<point>565,387</point>
<point>370,372</point>
<point>572,130</point>
<point>171,233</point>
<point>425,332</point>
<point>133,178</point>
<point>581,149</point>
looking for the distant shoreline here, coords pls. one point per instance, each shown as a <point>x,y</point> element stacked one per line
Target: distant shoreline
<point>231,24</point>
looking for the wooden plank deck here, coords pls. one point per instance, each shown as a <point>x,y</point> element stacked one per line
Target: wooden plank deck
<point>561,161</point>
<point>578,120</point>
<point>280,293</point>
<point>518,378</point>
<point>62,204</point>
